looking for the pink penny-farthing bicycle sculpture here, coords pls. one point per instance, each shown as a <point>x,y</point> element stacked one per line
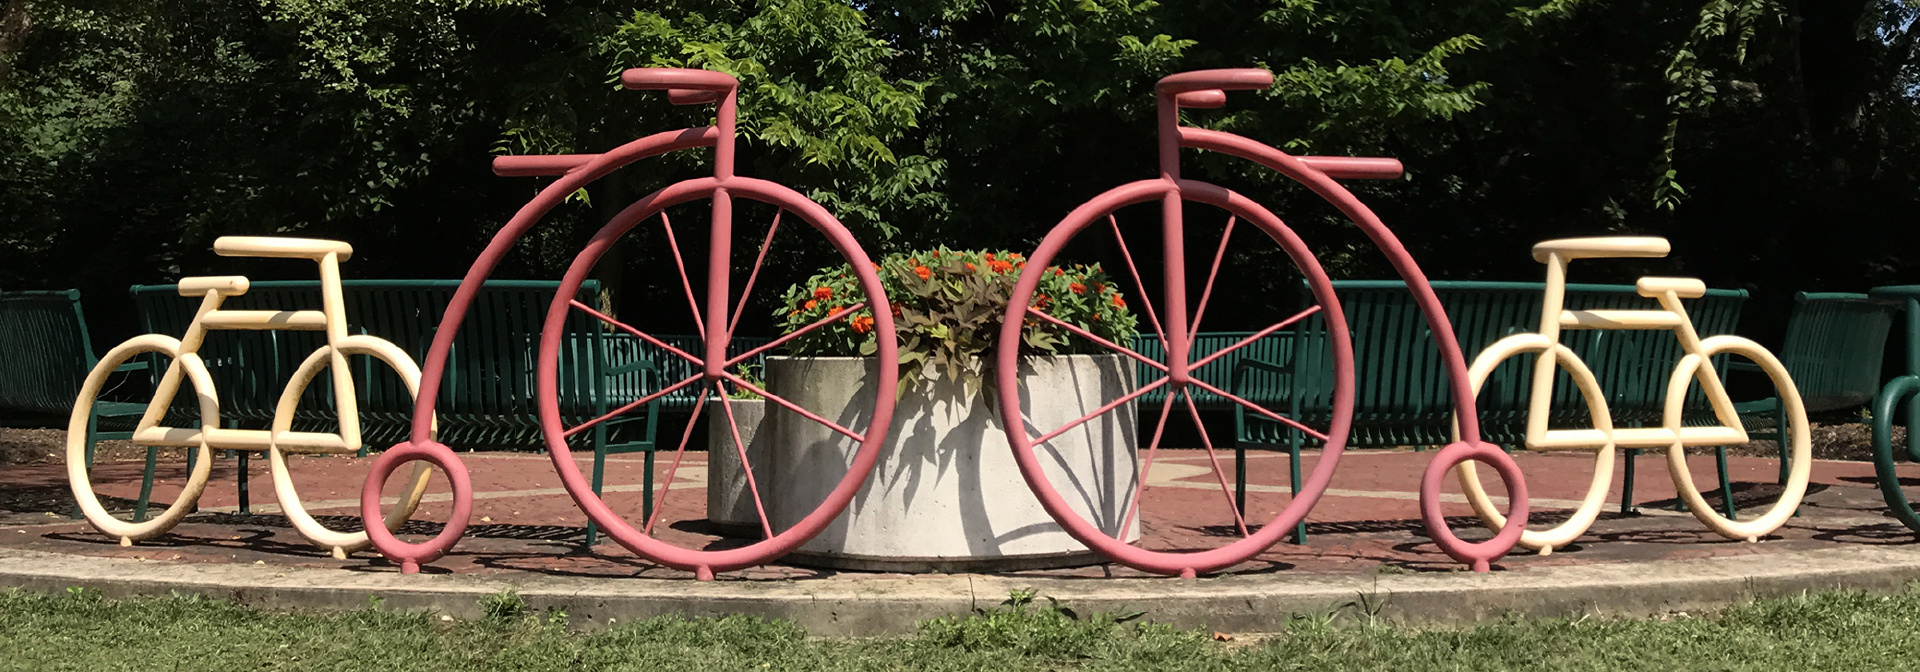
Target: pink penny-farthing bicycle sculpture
<point>726,196</point>
<point>1177,328</point>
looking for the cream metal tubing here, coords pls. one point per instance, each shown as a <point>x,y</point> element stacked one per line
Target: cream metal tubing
<point>209,435</point>
<point>1695,366</point>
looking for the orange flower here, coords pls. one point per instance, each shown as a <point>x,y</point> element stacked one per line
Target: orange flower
<point>923,272</point>
<point>1078,288</point>
<point>1099,288</point>
<point>896,310</point>
<point>1022,264</point>
<point>1119,302</point>
<point>1057,272</point>
<point>988,256</point>
<point>823,293</point>
<point>1096,317</point>
<point>810,304</point>
<point>969,267</point>
<point>793,314</point>
<point>835,310</point>
<point>862,324</point>
<point>876,266</point>
<point>936,254</point>
<point>1000,266</point>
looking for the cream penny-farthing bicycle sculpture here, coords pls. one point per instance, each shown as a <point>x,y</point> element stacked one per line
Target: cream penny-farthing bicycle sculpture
<point>278,441</point>
<point>1696,365</point>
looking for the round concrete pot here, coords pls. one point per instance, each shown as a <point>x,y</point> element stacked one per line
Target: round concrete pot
<point>729,501</point>
<point>946,494</point>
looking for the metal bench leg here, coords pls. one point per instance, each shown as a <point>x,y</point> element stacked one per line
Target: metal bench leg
<point>1240,479</point>
<point>1726,487</point>
<point>146,486</point>
<point>246,506</point>
<point>646,483</point>
<point>599,471</point>
<point>1293,480</point>
<point>1626,484</point>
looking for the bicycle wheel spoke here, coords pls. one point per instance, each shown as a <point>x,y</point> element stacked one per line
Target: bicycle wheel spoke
<point>659,501</point>
<point>830,319</point>
<point>1276,417</point>
<point>1263,333</point>
<point>1145,299</point>
<point>637,333</point>
<point>1193,331</point>
<point>680,262</point>
<point>1103,342</point>
<point>1130,396</point>
<point>622,410</point>
<point>1213,460</point>
<point>746,466</point>
<point>810,415</point>
<point>747,291</point>
<point>1146,467</point>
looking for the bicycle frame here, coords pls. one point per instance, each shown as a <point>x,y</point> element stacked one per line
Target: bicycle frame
<point>330,319</point>
<point>1671,315</point>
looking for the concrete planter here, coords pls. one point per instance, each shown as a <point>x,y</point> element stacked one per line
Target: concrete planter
<point>729,503</point>
<point>946,494</point>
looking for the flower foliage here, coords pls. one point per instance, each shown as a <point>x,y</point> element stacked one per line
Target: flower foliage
<point>948,306</point>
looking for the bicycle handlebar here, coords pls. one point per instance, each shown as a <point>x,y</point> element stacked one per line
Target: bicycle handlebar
<point>1225,79</point>
<point>1354,167</point>
<point>684,86</point>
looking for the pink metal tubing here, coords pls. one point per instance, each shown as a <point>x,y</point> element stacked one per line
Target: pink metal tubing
<point>1180,563</point>
<point>409,556</point>
<point>1299,170</point>
<point>705,563</point>
<point>1479,555</point>
<point>434,369</point>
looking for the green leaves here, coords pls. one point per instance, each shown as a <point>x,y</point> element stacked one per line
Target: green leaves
<point>948,306</point>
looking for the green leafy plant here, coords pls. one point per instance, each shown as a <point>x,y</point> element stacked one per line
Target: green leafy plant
<point>948,306</point>
<point>746,373</point>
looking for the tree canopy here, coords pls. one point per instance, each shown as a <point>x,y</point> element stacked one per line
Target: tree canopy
<point>1771,140</point>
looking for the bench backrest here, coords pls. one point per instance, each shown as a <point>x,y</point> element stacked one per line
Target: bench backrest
<point>487,394</point>
<point>44,351</point>
<point>1834,348</point>
<point>1401,391</point>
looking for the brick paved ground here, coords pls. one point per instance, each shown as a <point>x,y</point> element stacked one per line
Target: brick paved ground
<point>1368,522</point>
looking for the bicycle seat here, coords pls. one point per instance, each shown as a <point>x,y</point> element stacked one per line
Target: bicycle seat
<point>1686,288</point>
<point>1605,247</point>
<point>280,248</point>
<point>226,285</point>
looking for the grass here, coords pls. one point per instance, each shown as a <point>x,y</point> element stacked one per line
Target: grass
<point>81,631</point>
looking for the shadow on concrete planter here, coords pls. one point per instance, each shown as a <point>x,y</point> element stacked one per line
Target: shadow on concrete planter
<point>729,501</point>
<point>946,494</point>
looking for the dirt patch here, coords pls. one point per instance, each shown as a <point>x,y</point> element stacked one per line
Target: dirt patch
<point>1848,441</point>
<point>42,446</point>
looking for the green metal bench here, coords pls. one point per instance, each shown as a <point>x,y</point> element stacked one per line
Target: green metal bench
<point>1835,345</point>
<point>48,355</point>
<point>487,397</point>
<point>1401,396</point>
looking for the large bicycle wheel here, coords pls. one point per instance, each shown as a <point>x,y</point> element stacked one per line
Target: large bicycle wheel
<point>707,371</point>
<point>1795,433</point>
<point>340,543</point>
<point>1182,537</point>
<point>1582,517</point>
<point>195,373</point>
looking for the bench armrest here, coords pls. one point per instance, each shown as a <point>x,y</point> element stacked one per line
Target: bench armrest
<point>630,367</point>
<point>1241,367</point>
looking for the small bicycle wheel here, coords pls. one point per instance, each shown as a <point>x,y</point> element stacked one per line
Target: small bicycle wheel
<point>340,543</point>
<point>188,367</point>
<point>702,369</point>
<point>1795,435</point>
<point>1177,535</point>
<point>1582,517</point>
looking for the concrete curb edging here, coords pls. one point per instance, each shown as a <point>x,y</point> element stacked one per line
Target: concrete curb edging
<point>852,605</point>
